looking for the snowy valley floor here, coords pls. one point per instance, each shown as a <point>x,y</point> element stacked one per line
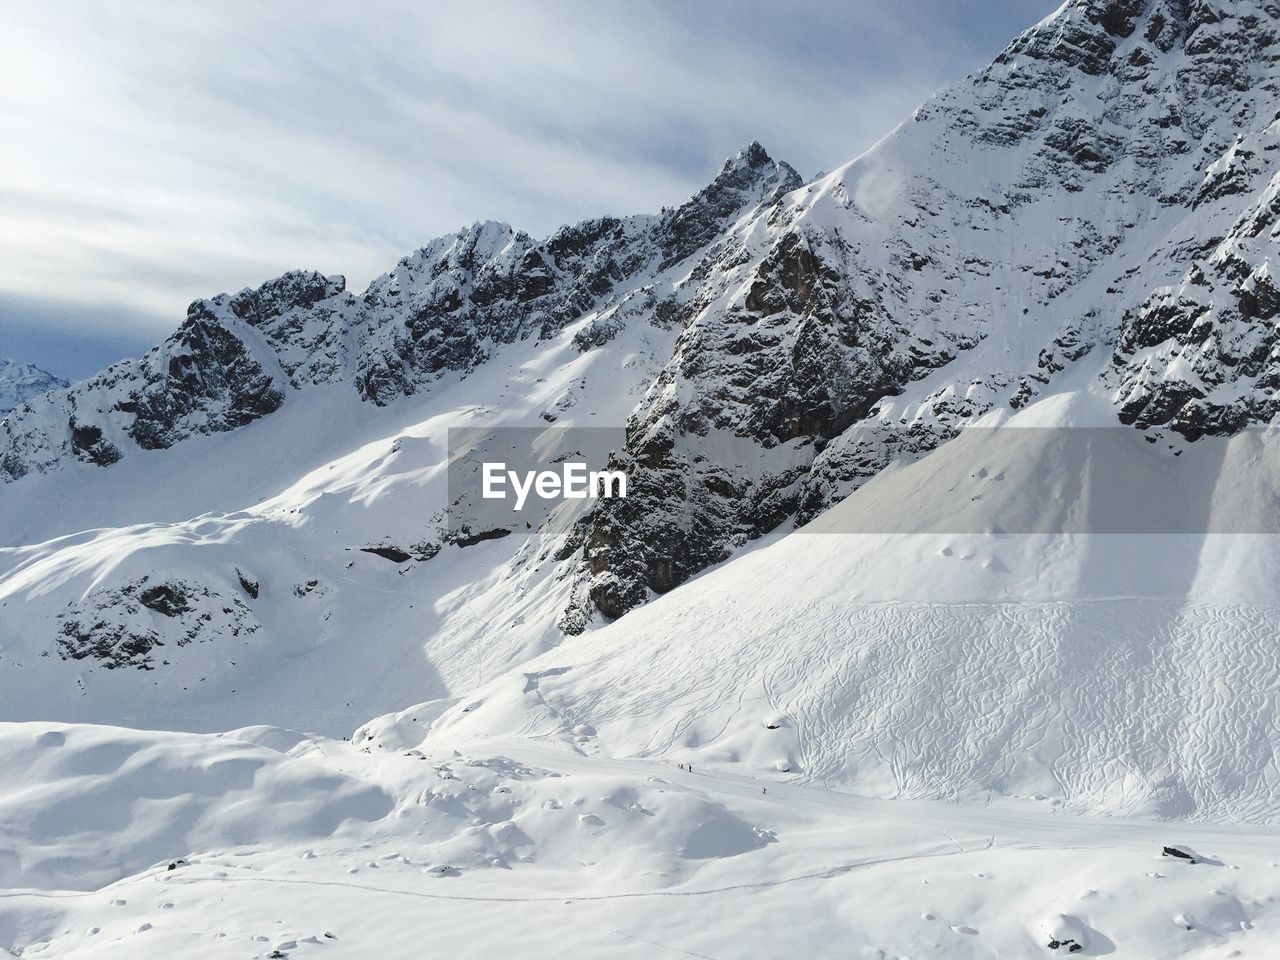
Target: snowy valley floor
<point>285,845</point>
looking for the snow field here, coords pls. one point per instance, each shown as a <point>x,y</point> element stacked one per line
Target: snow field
<point>595,857</point>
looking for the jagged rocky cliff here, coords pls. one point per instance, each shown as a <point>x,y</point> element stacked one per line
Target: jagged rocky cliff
<point>238,358</point>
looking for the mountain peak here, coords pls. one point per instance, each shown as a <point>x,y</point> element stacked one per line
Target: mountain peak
<point>749,178</point>
<point>753,156</point>
<point>20,382</point>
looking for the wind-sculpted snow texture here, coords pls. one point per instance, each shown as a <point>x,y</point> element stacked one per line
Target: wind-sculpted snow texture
<point>1081,235</point>
<point>140,795</point>
<point>1132,707</point>
<point>544,853</point>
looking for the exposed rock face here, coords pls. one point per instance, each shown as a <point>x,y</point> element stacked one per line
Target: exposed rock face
<point>215,373</point>
<point>210,382</point>
<point>88,445</point>
<point>249,584</point>
<point>1203,357</point>
<point>1108,181</point>
<point>745,181</point>
<point>126,627</point>
<point>442,307</point>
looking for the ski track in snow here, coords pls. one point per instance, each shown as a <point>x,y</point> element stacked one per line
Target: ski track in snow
<point>1104,705</point>
<point>824,874</point>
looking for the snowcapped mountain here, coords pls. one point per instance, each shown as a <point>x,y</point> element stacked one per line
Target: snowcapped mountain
<point>20,382</point>
<point>953,477</point>
<point>1081,211</point>
<point>294,428</point>
<point>1081,235</point>
<point>442,310</point>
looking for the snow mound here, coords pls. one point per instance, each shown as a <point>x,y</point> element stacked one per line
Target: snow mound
<point>495,812</point>
<point>273,738</point>
<point>82,806</point>
<point>403,729</point>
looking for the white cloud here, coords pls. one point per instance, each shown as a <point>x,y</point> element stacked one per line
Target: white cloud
<point>159,152</point>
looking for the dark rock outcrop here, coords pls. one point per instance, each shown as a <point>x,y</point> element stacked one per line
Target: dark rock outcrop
<point>126,626</point>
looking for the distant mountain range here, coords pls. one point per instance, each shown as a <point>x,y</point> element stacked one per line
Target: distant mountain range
<point>20,382</point>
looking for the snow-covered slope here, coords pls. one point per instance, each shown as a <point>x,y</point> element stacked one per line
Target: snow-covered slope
<point>517,850</point>
<point>1126,672</point>
<point>178,590</point>
<point>185,524</point>
<point>20,382</point>
<point>84,806</point>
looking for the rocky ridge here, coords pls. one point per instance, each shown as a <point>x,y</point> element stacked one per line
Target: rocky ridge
<point>237,358</point>
<point>1107,188</point>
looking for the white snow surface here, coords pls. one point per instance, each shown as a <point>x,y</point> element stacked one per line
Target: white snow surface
<point>288,500</point>
<point>521,849</point>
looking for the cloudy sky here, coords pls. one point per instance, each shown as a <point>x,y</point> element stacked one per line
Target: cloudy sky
<point>158,152</point>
